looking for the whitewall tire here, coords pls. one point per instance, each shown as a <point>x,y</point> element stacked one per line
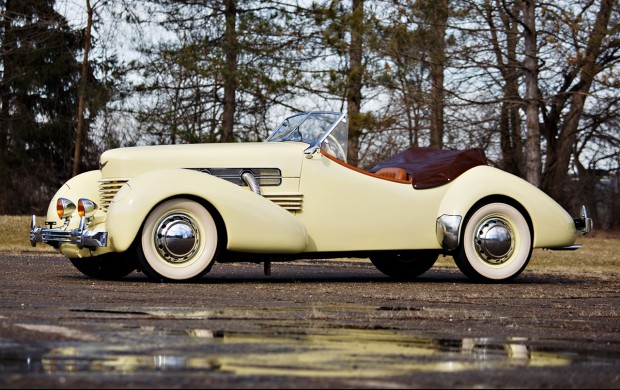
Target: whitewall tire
<point>178,241</point>
<point>496,243</point>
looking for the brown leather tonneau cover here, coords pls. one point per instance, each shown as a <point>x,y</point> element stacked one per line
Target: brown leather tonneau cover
<point>434,167</point>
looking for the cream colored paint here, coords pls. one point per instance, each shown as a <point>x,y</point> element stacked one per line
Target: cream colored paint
<point>253,223</point>
<point>343,210</point>
<point>349,210</point>
<point>131,162</point>
<point>84,185</point>
<point>553,226</point>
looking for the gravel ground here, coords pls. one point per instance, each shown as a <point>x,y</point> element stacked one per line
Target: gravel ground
<point>319,324</point>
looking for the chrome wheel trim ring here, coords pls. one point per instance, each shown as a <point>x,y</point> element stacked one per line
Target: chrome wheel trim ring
<point>494,240</point>
<point>176,238</point>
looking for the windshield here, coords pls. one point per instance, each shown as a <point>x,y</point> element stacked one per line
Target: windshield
<point>327,130</point>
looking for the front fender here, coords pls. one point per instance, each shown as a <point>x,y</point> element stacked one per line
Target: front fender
<point>84,185</point>
<point>253,223</point>
<point>552,225</point>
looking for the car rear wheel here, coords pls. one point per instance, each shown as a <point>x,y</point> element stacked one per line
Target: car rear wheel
<point>405,266</point>
<point>109,266</point>
<point>178,241</point>
<point>496,244</point>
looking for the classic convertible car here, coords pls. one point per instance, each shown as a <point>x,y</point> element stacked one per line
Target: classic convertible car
<point>173,211</point>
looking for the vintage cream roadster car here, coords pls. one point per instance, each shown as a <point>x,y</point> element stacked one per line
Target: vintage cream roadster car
<point>173,211</point>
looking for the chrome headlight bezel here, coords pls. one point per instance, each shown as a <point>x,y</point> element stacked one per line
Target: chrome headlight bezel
<point>86,208</point>
<point>65,208</point>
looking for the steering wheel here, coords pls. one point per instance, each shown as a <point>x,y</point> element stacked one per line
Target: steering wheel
<point>337,152</point>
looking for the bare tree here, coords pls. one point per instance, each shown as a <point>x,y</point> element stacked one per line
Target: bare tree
<point>532,98</point>
<point>435,13</point>
<point>504,37</point>
<point>230,69</point>
<point>595,49</point>
<point>224,67</point>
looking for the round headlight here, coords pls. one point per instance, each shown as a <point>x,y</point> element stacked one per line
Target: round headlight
<point>64,208</point>
<point>86,208</point>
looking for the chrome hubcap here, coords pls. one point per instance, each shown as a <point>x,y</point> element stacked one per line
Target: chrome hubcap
<point>494,241</point>
<point>177,238</point>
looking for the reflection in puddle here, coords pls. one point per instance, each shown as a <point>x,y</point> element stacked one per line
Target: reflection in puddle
<point>307,352</point>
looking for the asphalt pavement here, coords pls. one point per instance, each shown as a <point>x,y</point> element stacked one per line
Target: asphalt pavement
<point>311,324</point>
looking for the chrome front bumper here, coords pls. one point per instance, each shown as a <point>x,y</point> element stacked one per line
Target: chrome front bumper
<point>80,237</point>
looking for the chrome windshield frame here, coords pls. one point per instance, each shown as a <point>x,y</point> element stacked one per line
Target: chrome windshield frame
<point>305,116</point>
<point>314,144</point>
<point>317,144</point>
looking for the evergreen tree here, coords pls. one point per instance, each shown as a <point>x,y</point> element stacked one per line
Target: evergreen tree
<point>38,89</point>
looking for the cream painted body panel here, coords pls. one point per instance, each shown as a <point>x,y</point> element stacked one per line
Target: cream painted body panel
<point>134,161</point>
<point>84,185</point>
<point>553,226</point>
<point>341,209</point>
<point>253,223</point>
<point>346,210</point>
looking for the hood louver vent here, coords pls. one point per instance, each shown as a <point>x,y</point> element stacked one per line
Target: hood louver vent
<point>107,189</point>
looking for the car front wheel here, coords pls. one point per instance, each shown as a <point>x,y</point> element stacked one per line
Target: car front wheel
<point>496,244</point>
<point>178,241</point>
<point>405,266</point>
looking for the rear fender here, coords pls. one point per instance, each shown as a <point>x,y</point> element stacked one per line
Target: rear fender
<point>552,225</point>
<point>253,223</point>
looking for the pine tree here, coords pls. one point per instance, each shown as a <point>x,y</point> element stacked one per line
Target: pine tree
<point>38,103</point>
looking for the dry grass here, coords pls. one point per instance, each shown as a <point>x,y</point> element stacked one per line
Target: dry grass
<point>600,251</point>
<point>14,234</point>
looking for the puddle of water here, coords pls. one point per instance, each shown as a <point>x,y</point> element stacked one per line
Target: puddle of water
<point>343,353</point>
<point>58,330</point>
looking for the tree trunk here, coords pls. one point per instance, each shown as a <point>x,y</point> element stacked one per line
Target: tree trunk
<point>532,109</point>
<point>438,21</point>
<point>229,73</point>
<point>81,129</point>
<point>506,58</point>
<point>510,127</point>
<point>354,90</point>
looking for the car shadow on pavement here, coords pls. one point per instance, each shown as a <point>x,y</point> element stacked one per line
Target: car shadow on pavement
<point>320,274</point>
